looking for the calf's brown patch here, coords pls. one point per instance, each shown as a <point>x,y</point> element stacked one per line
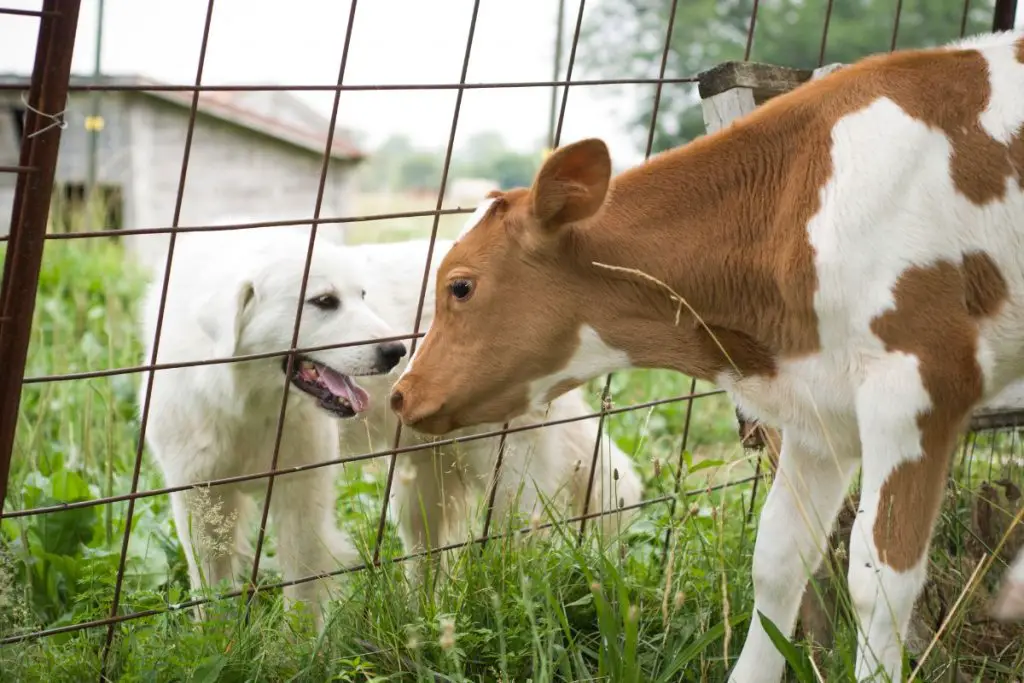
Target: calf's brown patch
<point>935,319</point>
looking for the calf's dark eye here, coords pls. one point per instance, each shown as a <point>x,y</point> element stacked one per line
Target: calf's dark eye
<point>461,289</point>
<point>326,302</point>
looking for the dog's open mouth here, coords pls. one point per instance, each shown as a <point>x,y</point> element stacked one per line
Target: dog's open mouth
<point>335,392</point>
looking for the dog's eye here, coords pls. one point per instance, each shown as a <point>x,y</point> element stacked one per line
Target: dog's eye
<point>461,289</point>
<point>364,294</point>
<point>326,302</point>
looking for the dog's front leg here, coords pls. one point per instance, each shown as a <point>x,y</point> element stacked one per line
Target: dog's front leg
<point>309,542</point>
<point>429,503</point>
<point>206,519</point>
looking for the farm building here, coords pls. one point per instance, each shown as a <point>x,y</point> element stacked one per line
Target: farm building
<point>254,154</point>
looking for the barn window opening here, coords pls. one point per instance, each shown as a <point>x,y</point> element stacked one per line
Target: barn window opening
<point>74,211</point>
<point>18,117</point>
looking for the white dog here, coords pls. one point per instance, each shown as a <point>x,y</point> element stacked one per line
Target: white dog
<point>236,293</point>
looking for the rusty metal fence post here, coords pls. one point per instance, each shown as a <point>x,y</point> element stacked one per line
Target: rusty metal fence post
<point>44,120</point>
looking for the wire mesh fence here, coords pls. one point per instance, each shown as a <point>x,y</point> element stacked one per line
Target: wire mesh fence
<point>991,449</point>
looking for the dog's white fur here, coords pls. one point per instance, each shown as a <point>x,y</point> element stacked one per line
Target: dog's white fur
<point>236,293</point>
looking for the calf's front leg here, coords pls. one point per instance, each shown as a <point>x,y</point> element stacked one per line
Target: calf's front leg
<point>910,414</point>
<point>791,542</point>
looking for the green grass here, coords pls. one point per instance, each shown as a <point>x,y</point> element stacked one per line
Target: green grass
<point>539,609</point>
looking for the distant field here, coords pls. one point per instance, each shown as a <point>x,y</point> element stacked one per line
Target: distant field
<point>397,229</point>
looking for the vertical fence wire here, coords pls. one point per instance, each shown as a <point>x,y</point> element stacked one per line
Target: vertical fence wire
<point>382,522</point>
<point>963,18</point>
<point>290,363</point>
<point>492,484</point>
<point>750,31</point>
<point>677,486</point>
<point>568,75</point>
<point>606,391</point>
<point>896,25</point>
<point>824,33</point>
<point>137,467</point>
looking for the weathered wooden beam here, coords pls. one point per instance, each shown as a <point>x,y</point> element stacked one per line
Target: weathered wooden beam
<point>725,107</point>
<point>734,89</point>
<point>765,81</point>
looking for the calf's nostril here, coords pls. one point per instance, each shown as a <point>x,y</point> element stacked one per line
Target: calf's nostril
<point>396,401</point>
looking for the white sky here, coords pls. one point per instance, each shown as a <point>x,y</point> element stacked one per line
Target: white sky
<point>394,41</point>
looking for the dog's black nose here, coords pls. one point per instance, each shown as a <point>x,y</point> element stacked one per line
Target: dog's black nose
<point>390,354</point>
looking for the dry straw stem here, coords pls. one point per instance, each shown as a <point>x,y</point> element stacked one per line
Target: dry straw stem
<point>668,575</point>
<point>727,636</point>
<point>975,575</point>
<point>678,298</point>
<point>817,672</point>
<point>668,582</point>
<point>681,302</point>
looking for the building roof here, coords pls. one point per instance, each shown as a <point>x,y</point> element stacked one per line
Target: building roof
<point>275,113</point>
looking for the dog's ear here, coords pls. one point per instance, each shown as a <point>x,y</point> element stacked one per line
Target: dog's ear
<point>223,315</point>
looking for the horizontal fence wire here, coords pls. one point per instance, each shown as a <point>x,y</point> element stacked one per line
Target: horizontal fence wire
<point>15,12</point>
<point>90,234</point>
<point>116,613</point>
<point>272,87</point>
<point>449,441</point>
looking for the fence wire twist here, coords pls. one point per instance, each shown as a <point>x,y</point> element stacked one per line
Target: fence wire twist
<point>35,171</point>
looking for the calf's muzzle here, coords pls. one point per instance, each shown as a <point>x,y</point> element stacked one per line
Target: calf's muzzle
<point>414,406</point>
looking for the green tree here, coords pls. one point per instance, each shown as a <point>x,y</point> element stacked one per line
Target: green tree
<point>420,172</point>
<point>514,170</point>
<point>477,157</point>
<point>381,169</point>
<point>486,155</point>
<point>625,39</point>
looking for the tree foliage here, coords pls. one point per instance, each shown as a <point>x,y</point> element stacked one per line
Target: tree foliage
<point>397,164</point>
<point>486,155</point>
<point>420,172</point>
<point>625,39</point>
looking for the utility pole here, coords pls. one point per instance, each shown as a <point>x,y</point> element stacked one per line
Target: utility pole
<point>555,74</point>
<point>94,122</point>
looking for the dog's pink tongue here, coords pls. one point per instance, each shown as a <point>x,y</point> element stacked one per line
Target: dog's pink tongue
<point>342,385</point>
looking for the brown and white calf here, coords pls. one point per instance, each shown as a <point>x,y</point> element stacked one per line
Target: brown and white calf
<point>847,261</point>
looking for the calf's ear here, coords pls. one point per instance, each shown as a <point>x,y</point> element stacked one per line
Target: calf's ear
<point>572,183</point>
